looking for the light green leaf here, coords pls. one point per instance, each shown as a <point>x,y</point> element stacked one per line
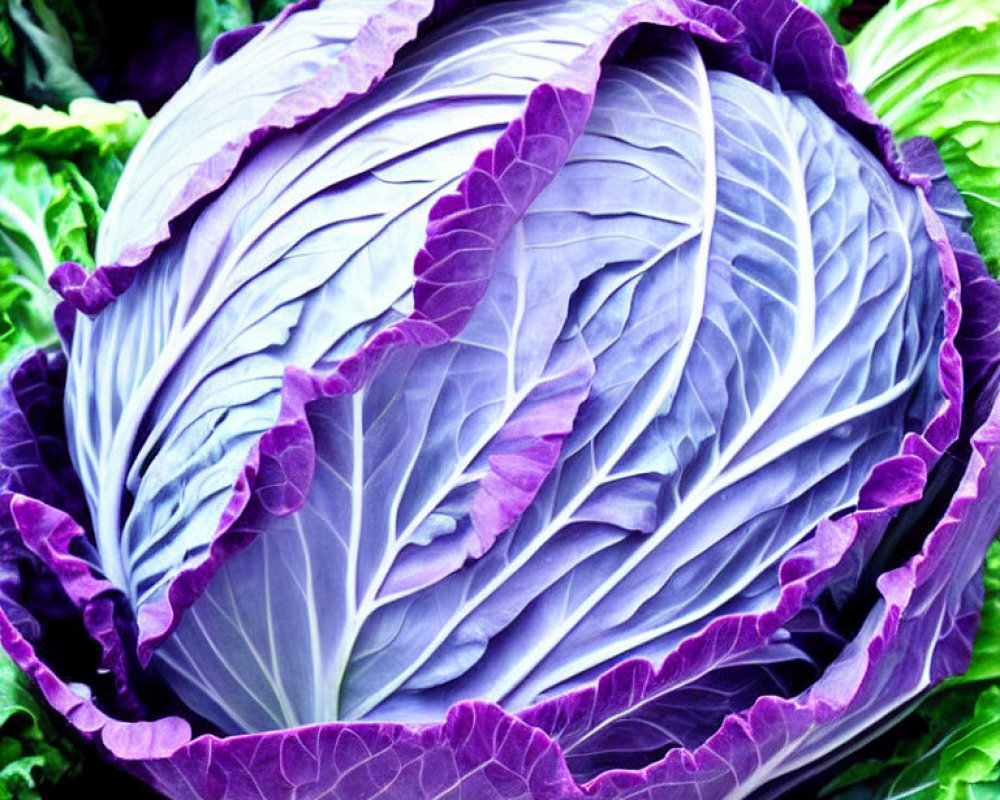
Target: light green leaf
<point>26,257</point>
<point>986,651</point>
<point>58,170</point>
<point>32,754</point>
<point>88,124</point>
<point>932,68</point>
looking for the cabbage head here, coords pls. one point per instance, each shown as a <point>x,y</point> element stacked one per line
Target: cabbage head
<point>528,399</point>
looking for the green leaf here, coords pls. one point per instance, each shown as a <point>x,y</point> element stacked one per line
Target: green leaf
<point>26,257</point>
<point>973,756</point>
<point>83,24</point>
<point>32,754</point>
<point>58,170</point>
<point>213,17</point>
<point>8,40</point>
<point>88,124</point>
<point>986,650</point>
<point>932,68</point>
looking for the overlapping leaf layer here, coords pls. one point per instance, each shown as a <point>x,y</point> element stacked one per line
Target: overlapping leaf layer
<point>486,399</point>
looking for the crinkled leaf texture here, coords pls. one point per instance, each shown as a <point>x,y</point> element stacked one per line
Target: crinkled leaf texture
<point>57,169</point>
<point>933,69</point>
<point>950,747</point>
<point>34,756</point>
<point>509,402</point>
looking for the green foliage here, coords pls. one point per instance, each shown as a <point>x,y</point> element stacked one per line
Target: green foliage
<point>84,25</point>
<point>32,755</point>
<point>58,171</point>
<point>213,17</point>
<point>35,43</point>
<point>932,68</point>
<point>266,9</point>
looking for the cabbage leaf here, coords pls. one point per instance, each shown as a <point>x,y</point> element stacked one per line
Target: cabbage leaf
<point>949,748</point>
<point>747,220</point>
<point>531,400</point>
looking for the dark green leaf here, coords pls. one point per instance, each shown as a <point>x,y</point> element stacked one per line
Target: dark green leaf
<point>213,17</point>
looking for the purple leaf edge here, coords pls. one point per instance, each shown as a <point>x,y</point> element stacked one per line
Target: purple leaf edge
<point>147,746</point>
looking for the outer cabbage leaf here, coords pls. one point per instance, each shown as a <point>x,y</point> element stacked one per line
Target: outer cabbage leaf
<point>189,354</point>
<point>722,396</point>
<point>941,750</point>
<point>957,751</point>
<point>50,73</point>
<point>932,68</point>
<point>215,17</point>
<point>278,90</point>
<point>799,680</point>
<point>34,458</point>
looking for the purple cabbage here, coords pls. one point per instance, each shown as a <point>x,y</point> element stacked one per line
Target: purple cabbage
<point>544,400</point>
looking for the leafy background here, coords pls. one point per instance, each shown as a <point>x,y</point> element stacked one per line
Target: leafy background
<point>78,81</point>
